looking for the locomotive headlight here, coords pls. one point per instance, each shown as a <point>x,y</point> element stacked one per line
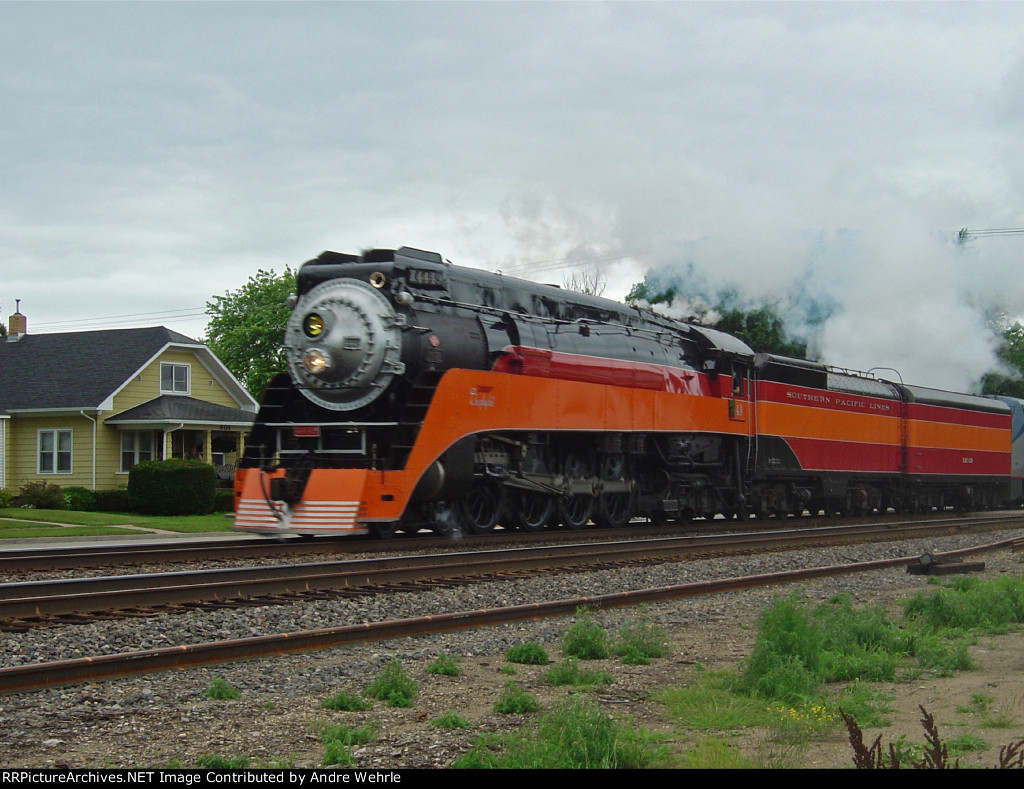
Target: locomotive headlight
<point>316,361</point>
<point>313,325</point>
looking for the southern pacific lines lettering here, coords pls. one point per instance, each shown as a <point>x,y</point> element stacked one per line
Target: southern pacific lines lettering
<point>839,400</point>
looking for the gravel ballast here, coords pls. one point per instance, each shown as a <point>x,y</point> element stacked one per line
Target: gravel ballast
<point>164,719</point>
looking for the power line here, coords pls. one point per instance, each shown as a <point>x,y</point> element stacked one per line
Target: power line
<point>965,234</point>
<point>123,321</point>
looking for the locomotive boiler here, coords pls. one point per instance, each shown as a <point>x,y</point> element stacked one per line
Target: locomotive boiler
<point>423,394</point>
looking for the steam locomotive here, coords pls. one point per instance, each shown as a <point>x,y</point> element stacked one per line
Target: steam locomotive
<point>423,394</point>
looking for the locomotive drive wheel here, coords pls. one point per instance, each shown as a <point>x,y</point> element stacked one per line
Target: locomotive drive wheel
<point>385,530</point>
<point>575,511</point>
<point>530,511</point>
<point>482,508</point>
<point>614,510</point>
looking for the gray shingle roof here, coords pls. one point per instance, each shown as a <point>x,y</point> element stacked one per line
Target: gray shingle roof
<point>75,369</point>
<point>177,408</point>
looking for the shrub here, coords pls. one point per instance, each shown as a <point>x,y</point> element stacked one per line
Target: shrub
<point>568,672</point>
<point>223,500</point>
<point>79,499</point>
<point>445,666</point>
<point>5,498</point>
<point>112,500</point>
<point>576,734</point>
<point>785,663</point>
<point>220,689</point>
<point>585,639</point>
<point>449,720</point>
<point>172,487</point>
<point>392,686</point>
<point>515,701</point>
<point>639,641</point>
<point>347,702</point>
<point>39,496</point>
<point>531,654</point>
<point>338,739</point>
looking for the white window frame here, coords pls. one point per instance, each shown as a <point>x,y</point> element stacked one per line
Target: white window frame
<point>54,452</point>
<point>135,449</point>
<point>174,389</point>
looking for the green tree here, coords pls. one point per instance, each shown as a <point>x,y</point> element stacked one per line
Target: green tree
<point>1011,353</point>
<point>246,328</point>
<point>761,327</point>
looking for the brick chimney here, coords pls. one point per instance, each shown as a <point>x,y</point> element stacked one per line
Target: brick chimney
<point>18,324</point>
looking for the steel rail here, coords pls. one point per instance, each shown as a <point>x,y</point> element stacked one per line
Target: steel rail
<point>191,550</point>
<point>41,599</point>
<point>68,672</point>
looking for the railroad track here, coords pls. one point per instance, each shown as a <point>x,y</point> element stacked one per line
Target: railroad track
<point>33,677</point>
<point>14,561</point>
<point>35,603</point>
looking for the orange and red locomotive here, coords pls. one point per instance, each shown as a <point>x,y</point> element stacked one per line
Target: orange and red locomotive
<point>422,394</point>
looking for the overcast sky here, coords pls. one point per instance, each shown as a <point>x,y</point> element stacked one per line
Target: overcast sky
<point>154,155</point>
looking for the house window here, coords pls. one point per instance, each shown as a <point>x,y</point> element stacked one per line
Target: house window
<point>173,378</point>
<point>54,455</point>
<point>136,446</point>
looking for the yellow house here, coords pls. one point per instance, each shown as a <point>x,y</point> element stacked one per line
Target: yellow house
<point>81,408</point>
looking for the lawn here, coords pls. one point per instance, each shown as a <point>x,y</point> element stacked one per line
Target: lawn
<point>18,523</point>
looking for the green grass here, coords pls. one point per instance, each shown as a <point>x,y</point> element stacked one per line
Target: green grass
<point>585,639</point>
<point>449,720</point>
<point>515,701</point>
<point>639,641</point>
<point>568,672</point>
<point>445,666</point>
<point>345,702</point>
<point>392,686</point>
<point>810,661</point>
<point>338,739</point>
<point>716,753</point>
<point>33,523</point>
<point>528,654</point>
<point>220,689</point>
<point>575,734</point>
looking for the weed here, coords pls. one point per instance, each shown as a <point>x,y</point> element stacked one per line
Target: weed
<point>211,761</point>
<point>715,753</point>
<point>576,734</point>
<point>965,743</point>
<point>568,672</point>
<point>349,735</point>
<point>530,653</point>
<point>639,641</point>
<point>508,670</point>
<point>585,639</point>
<point>445,666</point>
<point>813,721</point>
<point>347,702</point>
<point>708,701</point>
<point>220,689</point>
<point>392,686</point>
<point>866,706</point>
<point>516,701</point>
<point>337,740</point>
<point>449,720</point>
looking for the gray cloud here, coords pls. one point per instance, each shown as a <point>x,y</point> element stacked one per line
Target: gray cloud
<point>156,154</point>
